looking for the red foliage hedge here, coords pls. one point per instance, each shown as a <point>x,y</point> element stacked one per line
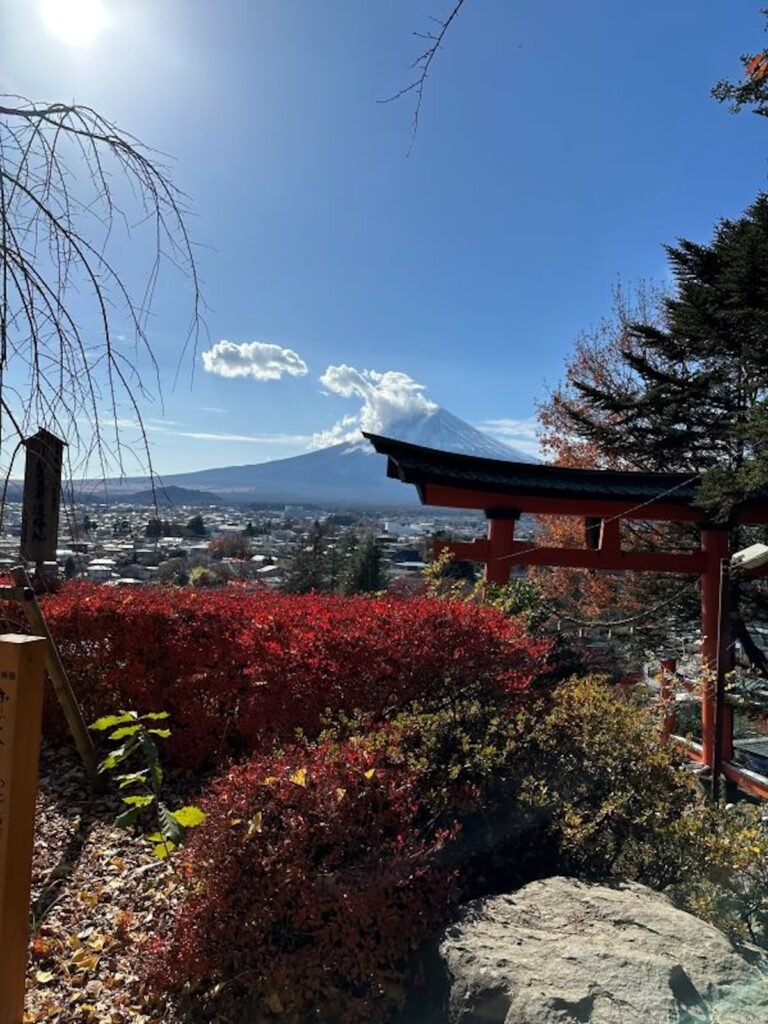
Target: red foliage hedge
<point>313,878</point>
<point>239,671</point>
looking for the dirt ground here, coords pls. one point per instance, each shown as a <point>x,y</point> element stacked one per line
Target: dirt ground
<point>98,893</point>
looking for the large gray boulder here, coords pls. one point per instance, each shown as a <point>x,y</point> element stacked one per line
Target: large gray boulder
<point>561,951</point>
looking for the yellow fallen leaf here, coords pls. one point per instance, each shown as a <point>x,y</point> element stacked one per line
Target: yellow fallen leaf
<point>300,777</point>
<point>43,977</point>
<point>97,942</point>
<point>274,1003</point>
<point>270,780</point>
<point>370,773</point>
<point>73,942</point>
<point>84,961</point>
<point>255,824</point>
<point>340,794</point>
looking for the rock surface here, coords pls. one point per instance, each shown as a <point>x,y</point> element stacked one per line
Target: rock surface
<point>561,951</point>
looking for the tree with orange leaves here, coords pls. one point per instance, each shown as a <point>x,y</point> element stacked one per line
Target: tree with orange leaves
<point>599,362</point>
<point>752,90</point>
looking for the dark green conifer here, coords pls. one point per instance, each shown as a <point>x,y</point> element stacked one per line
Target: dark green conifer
<point>310,567</point>
<point>366,572</point>
<point>694,391</point>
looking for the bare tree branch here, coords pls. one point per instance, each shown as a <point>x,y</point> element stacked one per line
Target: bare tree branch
<point>422,64</point>
<point>74,340</point>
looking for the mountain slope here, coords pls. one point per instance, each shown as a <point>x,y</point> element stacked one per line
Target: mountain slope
<point>446,432</point>
<point>344,474</point>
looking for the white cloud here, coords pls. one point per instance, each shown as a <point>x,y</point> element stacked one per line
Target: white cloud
<point>347,429</point>
<point>258,359</point>
<point>157,427</point>
<point>386,398</point>
<point>291,440</point>
<point>212,408</point>
<point>521,434</point>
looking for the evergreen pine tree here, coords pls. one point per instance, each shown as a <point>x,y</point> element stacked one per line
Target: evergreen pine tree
<point>692,395</point>
<point>196,526</point>
<point>310,567</point>
<point>366,573</point>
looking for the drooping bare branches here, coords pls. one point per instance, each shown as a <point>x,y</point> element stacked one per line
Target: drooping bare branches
<point>74,344</point>
<point>422,64</point>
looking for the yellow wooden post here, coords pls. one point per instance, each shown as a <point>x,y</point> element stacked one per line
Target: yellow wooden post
<point>22,670</point>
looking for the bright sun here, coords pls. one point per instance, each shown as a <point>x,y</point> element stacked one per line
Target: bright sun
<point>76,22</point>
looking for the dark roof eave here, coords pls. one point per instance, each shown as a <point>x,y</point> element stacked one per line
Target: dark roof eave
<point>415,464</point>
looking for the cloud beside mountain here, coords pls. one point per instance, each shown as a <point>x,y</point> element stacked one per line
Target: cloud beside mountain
<point>258,359</point>
<point>386,398</point>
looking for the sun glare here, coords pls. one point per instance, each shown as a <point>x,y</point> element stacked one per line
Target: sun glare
<point>75,22</point>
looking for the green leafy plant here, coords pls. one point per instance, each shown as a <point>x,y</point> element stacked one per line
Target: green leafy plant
<point>445,578</point>
<point>725,880</point>
<point>134,738</point>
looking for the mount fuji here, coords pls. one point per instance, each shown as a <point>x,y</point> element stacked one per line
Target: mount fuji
<point>345,474</point>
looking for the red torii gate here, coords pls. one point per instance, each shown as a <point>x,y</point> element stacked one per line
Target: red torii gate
<point>602,498</point>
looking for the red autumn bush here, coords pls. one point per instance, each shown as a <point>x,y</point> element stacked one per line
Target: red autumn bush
<point>320,870</point>
<point>312,880</point>
<point>239,670</point>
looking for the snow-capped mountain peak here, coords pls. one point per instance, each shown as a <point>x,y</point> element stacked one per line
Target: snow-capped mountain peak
<point>442,430</point>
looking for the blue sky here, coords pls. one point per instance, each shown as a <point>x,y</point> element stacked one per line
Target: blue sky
<point>560,145</point>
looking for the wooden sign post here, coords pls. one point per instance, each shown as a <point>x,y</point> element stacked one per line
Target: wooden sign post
<point>42,494</point>
<point>22,669</point>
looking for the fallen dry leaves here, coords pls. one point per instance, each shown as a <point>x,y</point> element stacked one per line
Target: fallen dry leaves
<point>97,894</point>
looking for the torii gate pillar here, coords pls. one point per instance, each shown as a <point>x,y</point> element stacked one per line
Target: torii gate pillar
<point>501,538</point>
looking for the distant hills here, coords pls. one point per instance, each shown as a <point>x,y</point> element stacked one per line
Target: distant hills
<point>168,495</point>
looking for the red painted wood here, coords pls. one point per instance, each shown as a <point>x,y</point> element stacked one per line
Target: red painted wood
<point>746,781</point>
<point>715,547</point>
<point>524,553</point>
<point>501,540</point>
<point>749,782</point>
<point>614,561</point>
<point>456,497</point>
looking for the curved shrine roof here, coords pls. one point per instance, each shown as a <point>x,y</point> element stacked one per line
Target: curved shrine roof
<point>468,481</point>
